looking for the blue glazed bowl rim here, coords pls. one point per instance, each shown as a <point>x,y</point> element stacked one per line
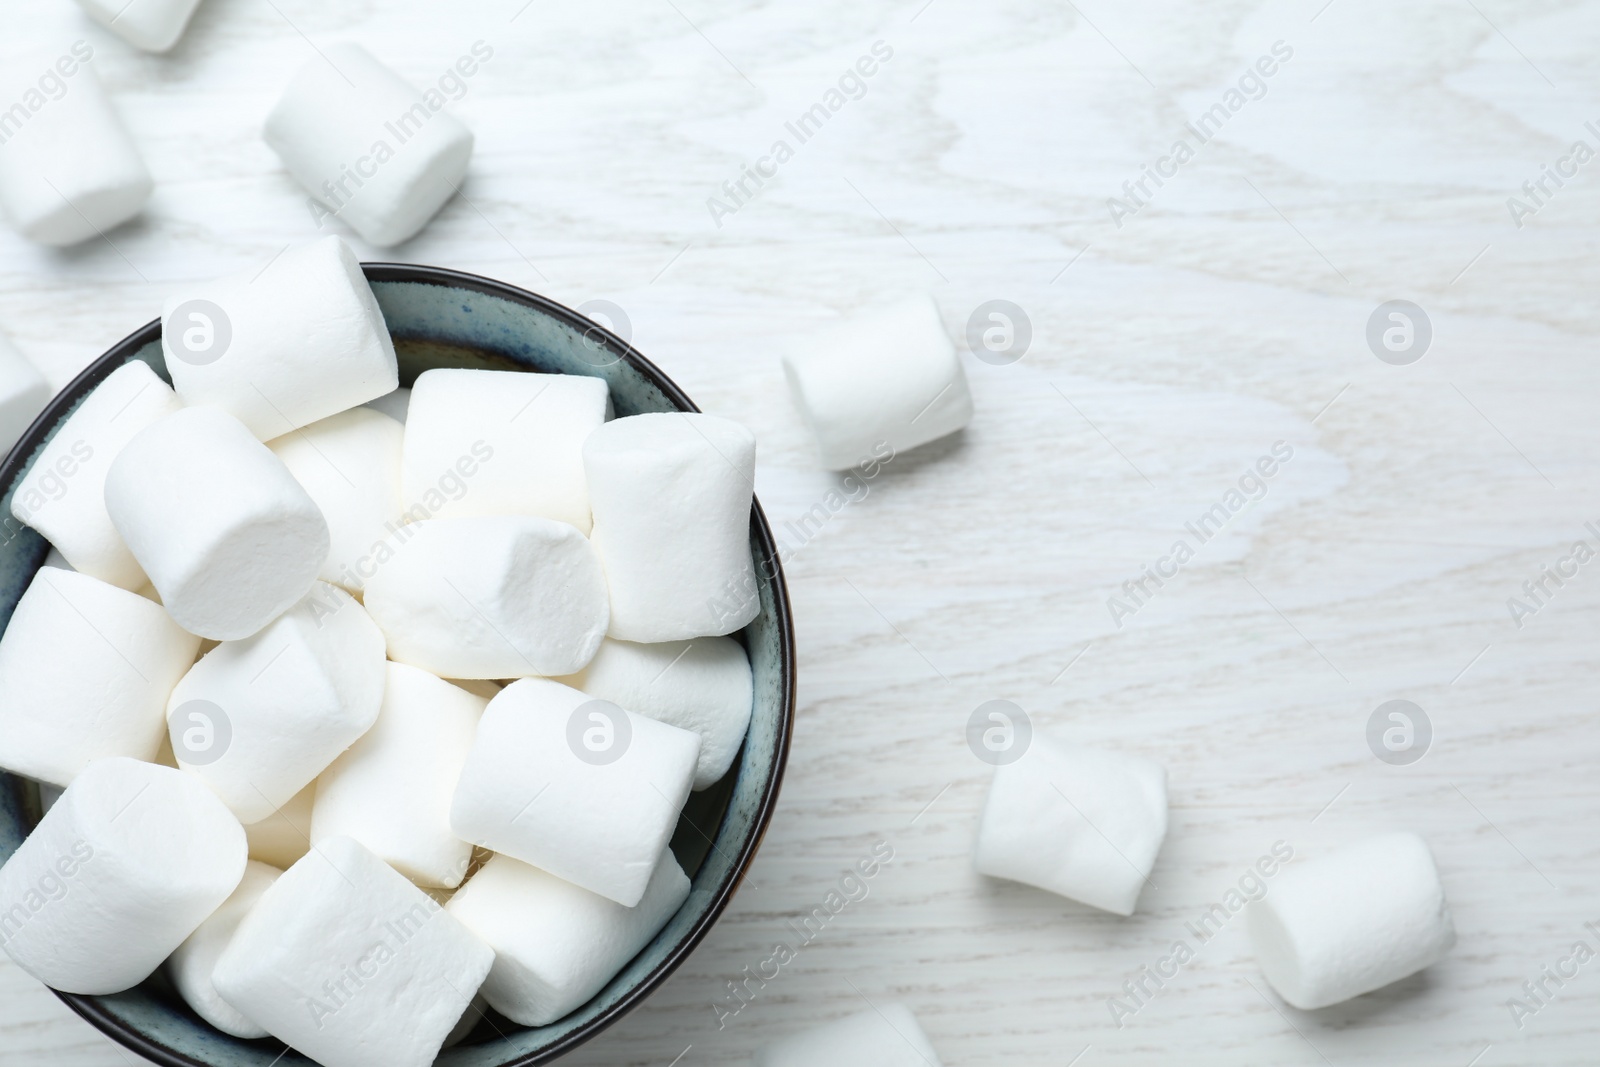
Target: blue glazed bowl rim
<point>102,1019</point>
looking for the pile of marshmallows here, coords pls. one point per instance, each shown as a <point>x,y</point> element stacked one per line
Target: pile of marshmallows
<point>335,567</point>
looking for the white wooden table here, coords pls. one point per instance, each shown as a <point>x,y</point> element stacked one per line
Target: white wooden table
<point>1226,313</point>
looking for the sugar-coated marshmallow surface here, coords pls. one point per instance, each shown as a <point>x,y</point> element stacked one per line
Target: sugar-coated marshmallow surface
<point>888,1035</point>
<point>192,965</point>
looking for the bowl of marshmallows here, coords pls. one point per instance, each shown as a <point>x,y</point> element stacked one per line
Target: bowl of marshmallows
<point>396,668</point>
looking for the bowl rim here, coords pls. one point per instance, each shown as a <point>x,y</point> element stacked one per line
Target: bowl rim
<point>93,1011</point>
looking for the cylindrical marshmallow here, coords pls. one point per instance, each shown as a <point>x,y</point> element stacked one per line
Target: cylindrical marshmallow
<point>258,719</point>
<point>555,945</point>
<point>702,685</point>
<point>886,1036</point>
<point>227,536</point>
<point>68,169</point>
<point>191,967</point>
<point>671,497</point>
<point>1352,921</point>
<point>283,837</point>
<point>125,866</point>
<point>391,791</point>
<point>150,25</point>
<point>501,596</point>
<point>85,670</point>
<point>282,346</point>
<point>349,464</point>
<point>367,145</point>
<point>63,494</point>
<point>486,442</point>
<point>23,394</point>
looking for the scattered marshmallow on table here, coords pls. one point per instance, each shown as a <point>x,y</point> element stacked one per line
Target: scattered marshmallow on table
<point>349,464</point>
<point>671,493</point>
<point>368,146</point>
<point>63,494</point>
<point>23,394</point>
<point>191,967</point>
<point>391,790</point>
<point>227,536</point>
<point>284,836</point>
<point>149,25</point>
<point>281,346</point>
<point>501,596</point>
<point>886,1036</point>
<point>259,718</point>
<point>890,375</point>
<point>85,669</point>
<point>556,945</point>
<point>485,442</point>
<point>352,965</point>
<point>125,866</point>
<point>1352,921</point>
<point>702,685</point>
<point>600,820</point>
<point>1084,823</point>
<point>68,169</point>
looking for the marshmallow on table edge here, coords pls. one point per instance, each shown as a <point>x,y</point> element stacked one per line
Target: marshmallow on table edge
<point>1084,823</point>
<point>1352,921</point>
<point>70,171</point>
<point>23,394</point>
<point>128,863</point>
<point>149,25</point>
<point>886,1036</point>
<point>367,145</point>
<point>63,493</point>
<point>191,966</point>
<point>888,375</point>
<point>85,671</point>
<point>283,346</point>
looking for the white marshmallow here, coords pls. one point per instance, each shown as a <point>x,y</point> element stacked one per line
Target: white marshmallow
<point>283,346</point>
<point>227,536</point>
<point>886,1036</point>
<point>283,837</point>
<point>391,791</point>
<point>556,945</point>
<point>85,669</point>
<point>395,404</point>
<point>191,967</point>
<point>54,558</point>
<point>349,464</point>
<point>527,792</point>
<point>258,719</point>
<point>351,964</point>
<point>125,866</point>
<point>671,498</point>
<point>890,376</point>
<point>150,25</point>
<point>63,494</point>
<point>1352,921</point>
<point>68,169</point>
<point>514,440</point>
<point>328,126</point>
<point>702,685</point>
<point>501,596</point>
<point>1084,823</point>
<point>23,394</point>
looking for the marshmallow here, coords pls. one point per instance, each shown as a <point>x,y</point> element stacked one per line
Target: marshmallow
<point>258,719</point>
<point>671,496</point>
<point>501,596</point>
<point>889,377</point>
<point>514,441</point>
<point>284,836</point>
<point>882,1037</point>
<point>126,865</point>
<point>391,791</point>
<point>349,464</point>
<point>150,25</point>
<point>68,169</point>
<point>1084,823</point>
<point>85,669</point>
<point>367,145</point>
<point>227,536</point>
<point>555,945</point>
<point>281,347</point>
<point>1352,921</point>
<point>584,790</point>
<point>191,967</point>
<point>702,685</point>
<point>63,494</point>
<point>394,405</point>
<point>352,965</point>
<point>23,394</point>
